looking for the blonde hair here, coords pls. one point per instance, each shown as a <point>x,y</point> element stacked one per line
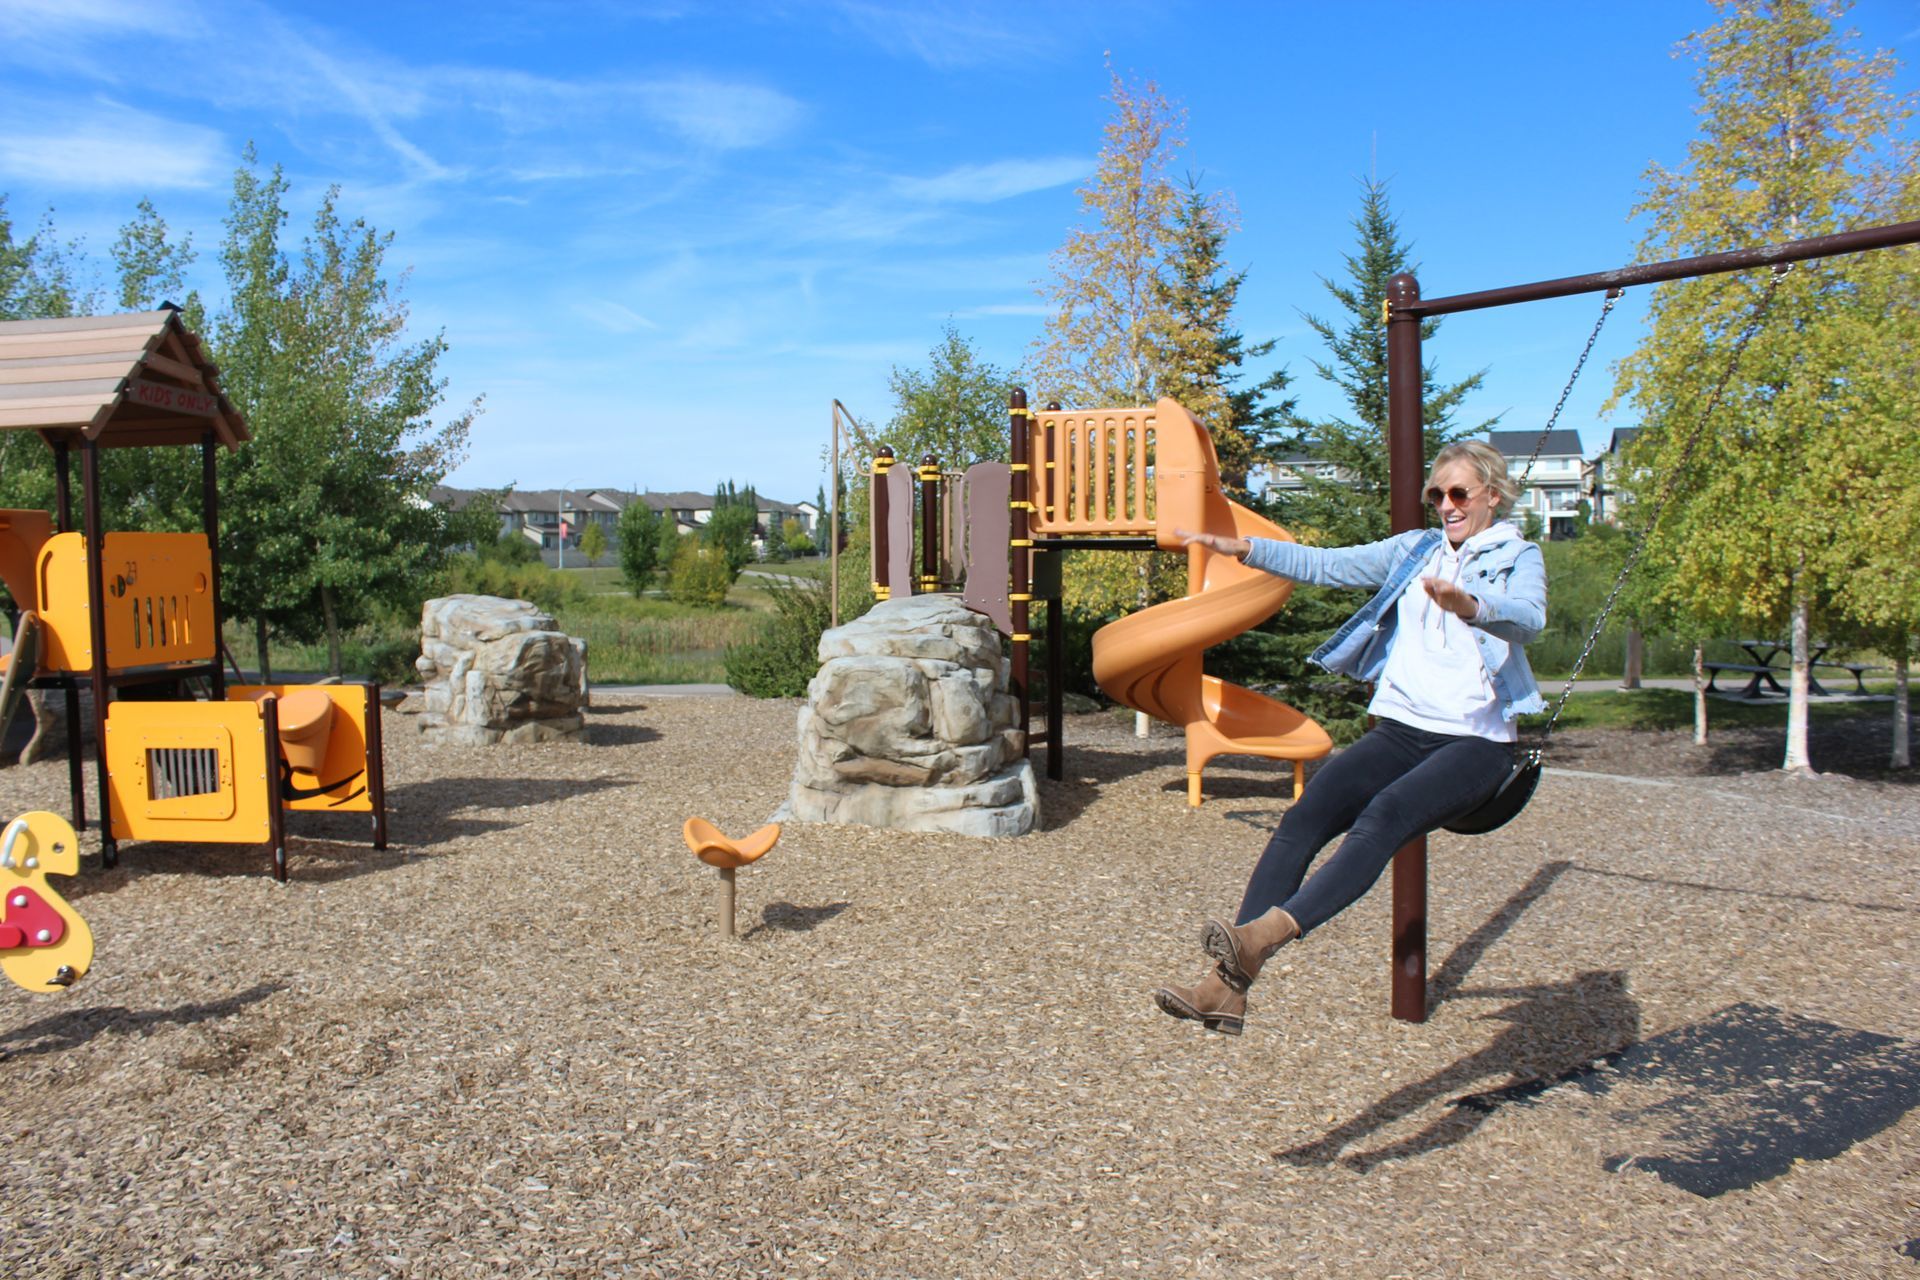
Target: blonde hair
<point>1487,462</point>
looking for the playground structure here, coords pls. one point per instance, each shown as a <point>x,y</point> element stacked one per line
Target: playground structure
<point>43,941</point>
<point>139,613</point>
<point>1108,479</point>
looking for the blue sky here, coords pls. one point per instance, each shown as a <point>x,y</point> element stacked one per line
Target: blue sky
<point>662,237</point>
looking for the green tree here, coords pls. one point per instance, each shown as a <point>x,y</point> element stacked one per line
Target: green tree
<point>37,275</point>
<point>639,534</point>
<point>1797,138</point>
<point>730,532</point>
<point>328,522</point>
<point>153,268</point>
<point>1352,504</point>
<point>593,541</point>
<point>955,409</point>
<point>1201,352</point>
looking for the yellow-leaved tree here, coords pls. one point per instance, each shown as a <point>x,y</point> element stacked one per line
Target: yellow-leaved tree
<point>1799,136</point>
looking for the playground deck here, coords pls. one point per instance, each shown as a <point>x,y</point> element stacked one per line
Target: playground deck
<point>1675,1033</point>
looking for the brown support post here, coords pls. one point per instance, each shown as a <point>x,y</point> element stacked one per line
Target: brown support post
<point>63,515</point>
<point>929,524</point>
<point>276,807</point>
<point>76,769</point>
<point>376,767</point>
<point>63,485</point>
<point>210,518</point>
<point>1406,467</point>
<point>1019,557</point>
<point>877,513</point>
<point>1056,688</point>
<point>97,638</point>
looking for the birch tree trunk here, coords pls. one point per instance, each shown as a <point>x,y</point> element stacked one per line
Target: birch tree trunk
<point>1797,682</point>
<point>1699,693</point>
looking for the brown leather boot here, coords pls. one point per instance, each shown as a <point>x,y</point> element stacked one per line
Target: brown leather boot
<point>1217,1001</point>
<point>1243,948</point>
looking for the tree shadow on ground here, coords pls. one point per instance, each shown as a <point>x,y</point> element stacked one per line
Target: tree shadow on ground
<point>77,1027</point>
<point>444,799</point>
<point>1852,747</point>
<point>789,917</point>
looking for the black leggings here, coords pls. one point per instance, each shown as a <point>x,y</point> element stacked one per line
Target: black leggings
<point>1397,782</point>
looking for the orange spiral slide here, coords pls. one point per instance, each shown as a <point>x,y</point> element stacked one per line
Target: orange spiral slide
<point>1151,660</point>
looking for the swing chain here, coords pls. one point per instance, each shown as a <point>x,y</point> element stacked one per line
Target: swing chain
<point>1613,295</point>
<point>1780,272</point>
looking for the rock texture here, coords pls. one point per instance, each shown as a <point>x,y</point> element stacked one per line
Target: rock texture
<point>910,725</point>
<point>496,670</point>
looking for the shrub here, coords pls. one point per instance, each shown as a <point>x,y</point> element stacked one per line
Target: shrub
<point>545,589</point>
<point>785,657</point>
<point>701,575</point>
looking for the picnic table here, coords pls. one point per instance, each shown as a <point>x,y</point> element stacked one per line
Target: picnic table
<point>1763,674</point>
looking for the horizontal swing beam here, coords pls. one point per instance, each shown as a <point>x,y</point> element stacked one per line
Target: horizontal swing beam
<point>1888,237</point>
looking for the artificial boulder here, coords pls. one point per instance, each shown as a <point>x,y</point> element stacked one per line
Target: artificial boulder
<point>496,670</point>
<point>910,725</point>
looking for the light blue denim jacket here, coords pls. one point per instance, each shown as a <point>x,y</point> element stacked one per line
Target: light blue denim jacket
<point>1509,579</point>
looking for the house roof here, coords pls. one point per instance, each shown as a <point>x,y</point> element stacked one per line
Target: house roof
<point>1560,443</point>
<point>1622,436</point>
<point>125,380</point>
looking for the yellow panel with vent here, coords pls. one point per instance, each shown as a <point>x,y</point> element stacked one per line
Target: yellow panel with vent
<point>159,600</point>
<point>188,771</point>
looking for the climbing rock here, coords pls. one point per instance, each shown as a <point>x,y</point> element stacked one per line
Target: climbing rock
<point>496,671</point>
<point>909,725</point>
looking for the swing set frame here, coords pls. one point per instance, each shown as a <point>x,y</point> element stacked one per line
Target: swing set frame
<point>1404,310</point>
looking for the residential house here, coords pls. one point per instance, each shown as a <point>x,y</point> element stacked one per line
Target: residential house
<point>1557,483</point>
<point>1553,492</point>
<point>1603,476</point>
<point>554,519</point>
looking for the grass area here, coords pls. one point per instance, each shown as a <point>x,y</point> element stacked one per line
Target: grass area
<point>1673,709</point>
<point>629,641</point>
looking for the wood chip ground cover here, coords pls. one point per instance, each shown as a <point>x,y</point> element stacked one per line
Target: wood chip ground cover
<point>516,1042</point>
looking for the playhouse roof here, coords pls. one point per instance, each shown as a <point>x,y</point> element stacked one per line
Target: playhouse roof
<point>140,379</point>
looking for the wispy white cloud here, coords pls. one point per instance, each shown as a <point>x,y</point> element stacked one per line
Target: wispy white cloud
<point>1002,309</point>
<point>997,180</point>
<point>105,145</point>
<point>946,35</point>
<point>721,114</point>
<point>613,316</point>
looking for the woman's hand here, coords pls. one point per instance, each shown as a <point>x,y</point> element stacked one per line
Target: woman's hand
<point>1450,597</point>
<point>1235,547</point>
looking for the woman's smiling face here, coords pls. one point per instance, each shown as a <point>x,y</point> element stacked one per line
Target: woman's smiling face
<point>1461,519</point>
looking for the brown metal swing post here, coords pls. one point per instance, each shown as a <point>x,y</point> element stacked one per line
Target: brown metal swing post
<point>1406,464</point>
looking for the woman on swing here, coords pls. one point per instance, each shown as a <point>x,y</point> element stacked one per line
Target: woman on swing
<point>1442,640</point>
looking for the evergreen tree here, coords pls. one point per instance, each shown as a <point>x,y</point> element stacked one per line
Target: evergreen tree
<point>1352,505</point>
<point>1797,138</point>
<point>1201,352</point>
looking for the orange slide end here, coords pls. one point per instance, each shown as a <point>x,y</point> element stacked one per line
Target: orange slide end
<point>1151,660</point>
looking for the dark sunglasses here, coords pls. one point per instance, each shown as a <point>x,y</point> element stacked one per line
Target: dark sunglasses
<point>1459,495</point>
